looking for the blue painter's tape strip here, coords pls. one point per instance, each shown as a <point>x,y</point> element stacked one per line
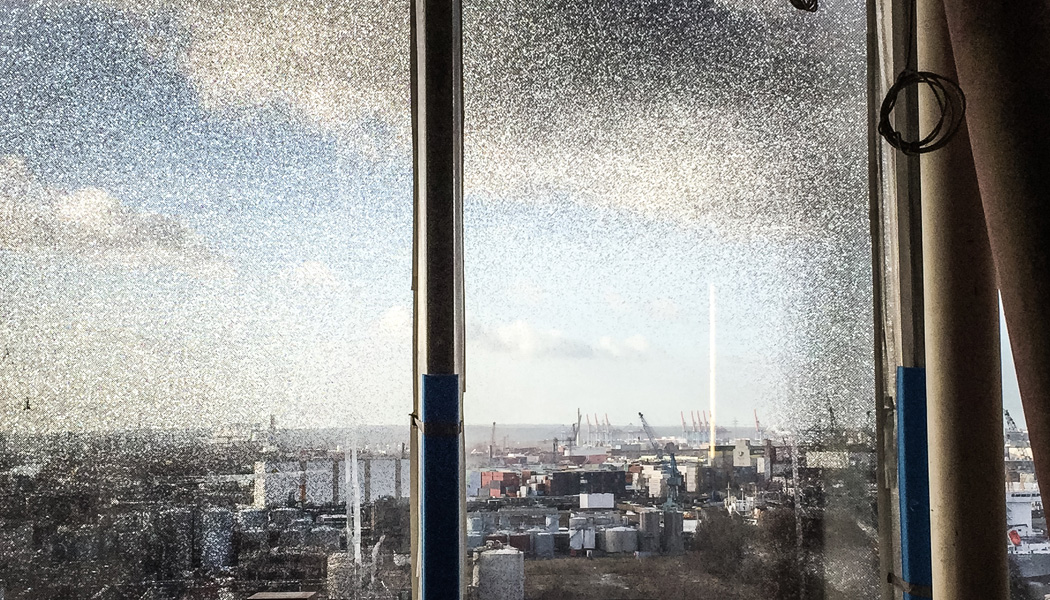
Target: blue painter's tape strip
<point>439,480</point>
<point>914,478</point>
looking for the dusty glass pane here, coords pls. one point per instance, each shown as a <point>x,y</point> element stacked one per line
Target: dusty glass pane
<point>630,168</point>
<point>205,263</point>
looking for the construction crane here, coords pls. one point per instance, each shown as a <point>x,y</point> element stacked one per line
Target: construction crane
<point>674,478</point>
<point>1011,425</point>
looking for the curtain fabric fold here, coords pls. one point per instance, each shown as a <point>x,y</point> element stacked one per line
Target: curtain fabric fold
<point>1002,56</point>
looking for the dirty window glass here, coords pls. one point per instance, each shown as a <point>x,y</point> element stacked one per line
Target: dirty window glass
<point>205,306</point>
<point>659,194</point>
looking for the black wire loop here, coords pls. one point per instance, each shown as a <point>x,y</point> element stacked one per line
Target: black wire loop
<point>950,99</point>
<point>806,5</point>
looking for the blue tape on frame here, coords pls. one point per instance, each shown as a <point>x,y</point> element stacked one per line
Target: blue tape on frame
<point>914,478</point>
<point>439,481</point>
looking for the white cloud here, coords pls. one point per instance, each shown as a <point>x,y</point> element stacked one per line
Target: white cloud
<point>522,338</point>
<point>311,273</point>
<point>527,291</point>
<point>343,66</point>
<point>635,346</point>
<point>334,64</point>
<point>396,320</point>
<point>617,302</point>
<point>94,224</point>
<point>664,309</point>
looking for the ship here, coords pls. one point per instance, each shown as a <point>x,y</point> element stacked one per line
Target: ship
<point>1027,544</point>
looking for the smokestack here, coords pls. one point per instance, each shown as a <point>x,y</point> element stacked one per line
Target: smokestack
<point>711,352</point>
<point>355,506</point>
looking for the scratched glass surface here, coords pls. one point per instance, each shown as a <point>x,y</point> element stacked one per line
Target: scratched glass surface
<point>650,184</point>
<point>205,263</point>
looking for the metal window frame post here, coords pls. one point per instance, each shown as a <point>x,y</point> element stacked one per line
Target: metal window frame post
<point>437,481</point>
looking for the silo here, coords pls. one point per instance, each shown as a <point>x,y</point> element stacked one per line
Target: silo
<point>216,538</point>
<point>543,544</point>
<point>649,530</point>
<point>671,541</point>
<point>621,540</point>
<point>176,537</point>
<point>341,577</point>
<point>500,575</point>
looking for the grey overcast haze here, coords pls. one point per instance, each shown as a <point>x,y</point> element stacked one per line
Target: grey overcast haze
<point>206,212</point>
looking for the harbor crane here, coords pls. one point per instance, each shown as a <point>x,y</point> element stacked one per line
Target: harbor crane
<point>674,478</point>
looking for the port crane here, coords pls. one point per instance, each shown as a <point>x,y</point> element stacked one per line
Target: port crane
<point>674,478</point>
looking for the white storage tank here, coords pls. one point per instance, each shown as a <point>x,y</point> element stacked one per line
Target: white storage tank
<point>581,539</point>
<point>621,540</point>
<point>500,574</point>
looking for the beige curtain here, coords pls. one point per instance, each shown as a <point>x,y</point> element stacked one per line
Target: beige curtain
<point>1002,56</point>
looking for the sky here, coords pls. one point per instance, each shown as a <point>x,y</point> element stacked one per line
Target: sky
<point>207,212</point>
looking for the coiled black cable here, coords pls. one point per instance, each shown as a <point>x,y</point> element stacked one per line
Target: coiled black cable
<point>806,5</point>
<point>949,96</point>
<point>950,99</point>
